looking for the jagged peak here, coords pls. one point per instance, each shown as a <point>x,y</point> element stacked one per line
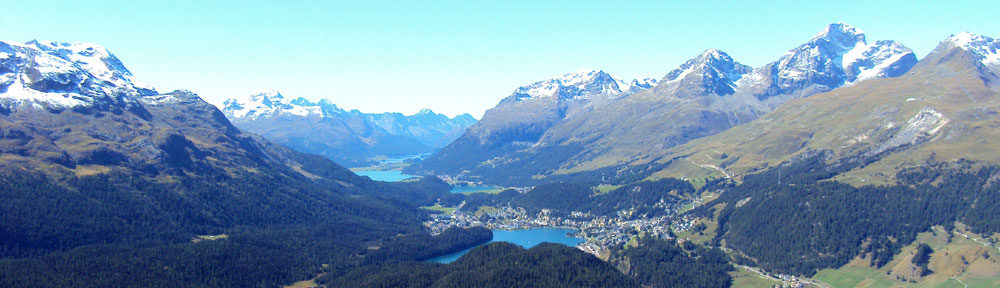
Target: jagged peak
<point>713,72</point>
<point>425,111</point>
<point>268,103</point>
<point>571,85</point>
<point>709,60</point>
<point>714,54</point>
<point>266,93</point>
<point>579,76</point>
<point>840,32</point>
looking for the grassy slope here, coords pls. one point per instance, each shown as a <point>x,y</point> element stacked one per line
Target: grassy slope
<point>946,262</point>
<point>856,119</point>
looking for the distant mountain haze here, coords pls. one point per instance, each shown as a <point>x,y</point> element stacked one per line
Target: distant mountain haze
<point>348,137</point>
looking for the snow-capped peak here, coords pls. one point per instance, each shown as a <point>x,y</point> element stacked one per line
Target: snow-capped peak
<point>713,59</point>
<point>714,54</point>
<point>93,58</point>
<point>839,55</point>
<point>269,103</point>
<point>982,46</point>
<point>55,74</point>
<point>266,95</point>
<point>712,71</point>
<point>840,33</point>
<point>578,80</point>
<point>581,86</point>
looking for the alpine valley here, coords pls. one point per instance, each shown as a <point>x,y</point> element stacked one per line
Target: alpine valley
<point>843,163</point>
<point>349,137</point>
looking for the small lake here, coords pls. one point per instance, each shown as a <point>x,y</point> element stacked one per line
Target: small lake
<point>385,176</point>
<point>472,189</point>
<point>525,238</point>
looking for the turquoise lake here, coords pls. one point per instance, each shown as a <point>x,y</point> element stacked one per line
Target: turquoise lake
<point>385,176</point>
<point>525,238</point>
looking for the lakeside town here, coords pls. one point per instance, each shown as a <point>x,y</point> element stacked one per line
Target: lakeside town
<point>598,232</point>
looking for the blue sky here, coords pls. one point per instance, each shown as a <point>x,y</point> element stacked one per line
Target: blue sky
<point>453,56</point>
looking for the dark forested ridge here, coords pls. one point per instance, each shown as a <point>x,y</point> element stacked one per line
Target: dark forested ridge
<point>497,264</point>
<point>423,246</point>
<point>115,230</point>
<point>44,215</point>
<point>570,196</point>
<point>528,166</point>
<point>803,223</point>
<point>126,229</point>
<point>663,263</point>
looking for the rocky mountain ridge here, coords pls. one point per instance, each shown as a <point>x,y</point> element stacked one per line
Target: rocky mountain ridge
<point>520,119</point>
<point>703,96</point>
<point>938,111</point>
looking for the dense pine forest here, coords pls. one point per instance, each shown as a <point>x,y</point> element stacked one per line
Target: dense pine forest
<point>497,264</point>
<point>565,197</point>
<point>803,222</point>
<point>664,263</point>
<point>216,229</point>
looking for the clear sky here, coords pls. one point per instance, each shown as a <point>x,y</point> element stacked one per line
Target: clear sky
<point>453,56</point>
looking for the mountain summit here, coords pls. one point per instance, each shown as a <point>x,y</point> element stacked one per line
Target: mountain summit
<point>579,85</point>
<point>836,56</point>
<point>712,72</point>
<point>265,104</point>
<point>54,75</point>
<point>985,49</point>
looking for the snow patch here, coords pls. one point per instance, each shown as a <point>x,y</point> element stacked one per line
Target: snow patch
<point>988,49</point>
<point>22,94</point>
<point>159,99</point>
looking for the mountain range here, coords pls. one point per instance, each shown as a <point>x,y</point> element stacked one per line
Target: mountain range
<point>859,174</point>
<point>704,96</point>
<point>944,108</point>
<point>348,137</point>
